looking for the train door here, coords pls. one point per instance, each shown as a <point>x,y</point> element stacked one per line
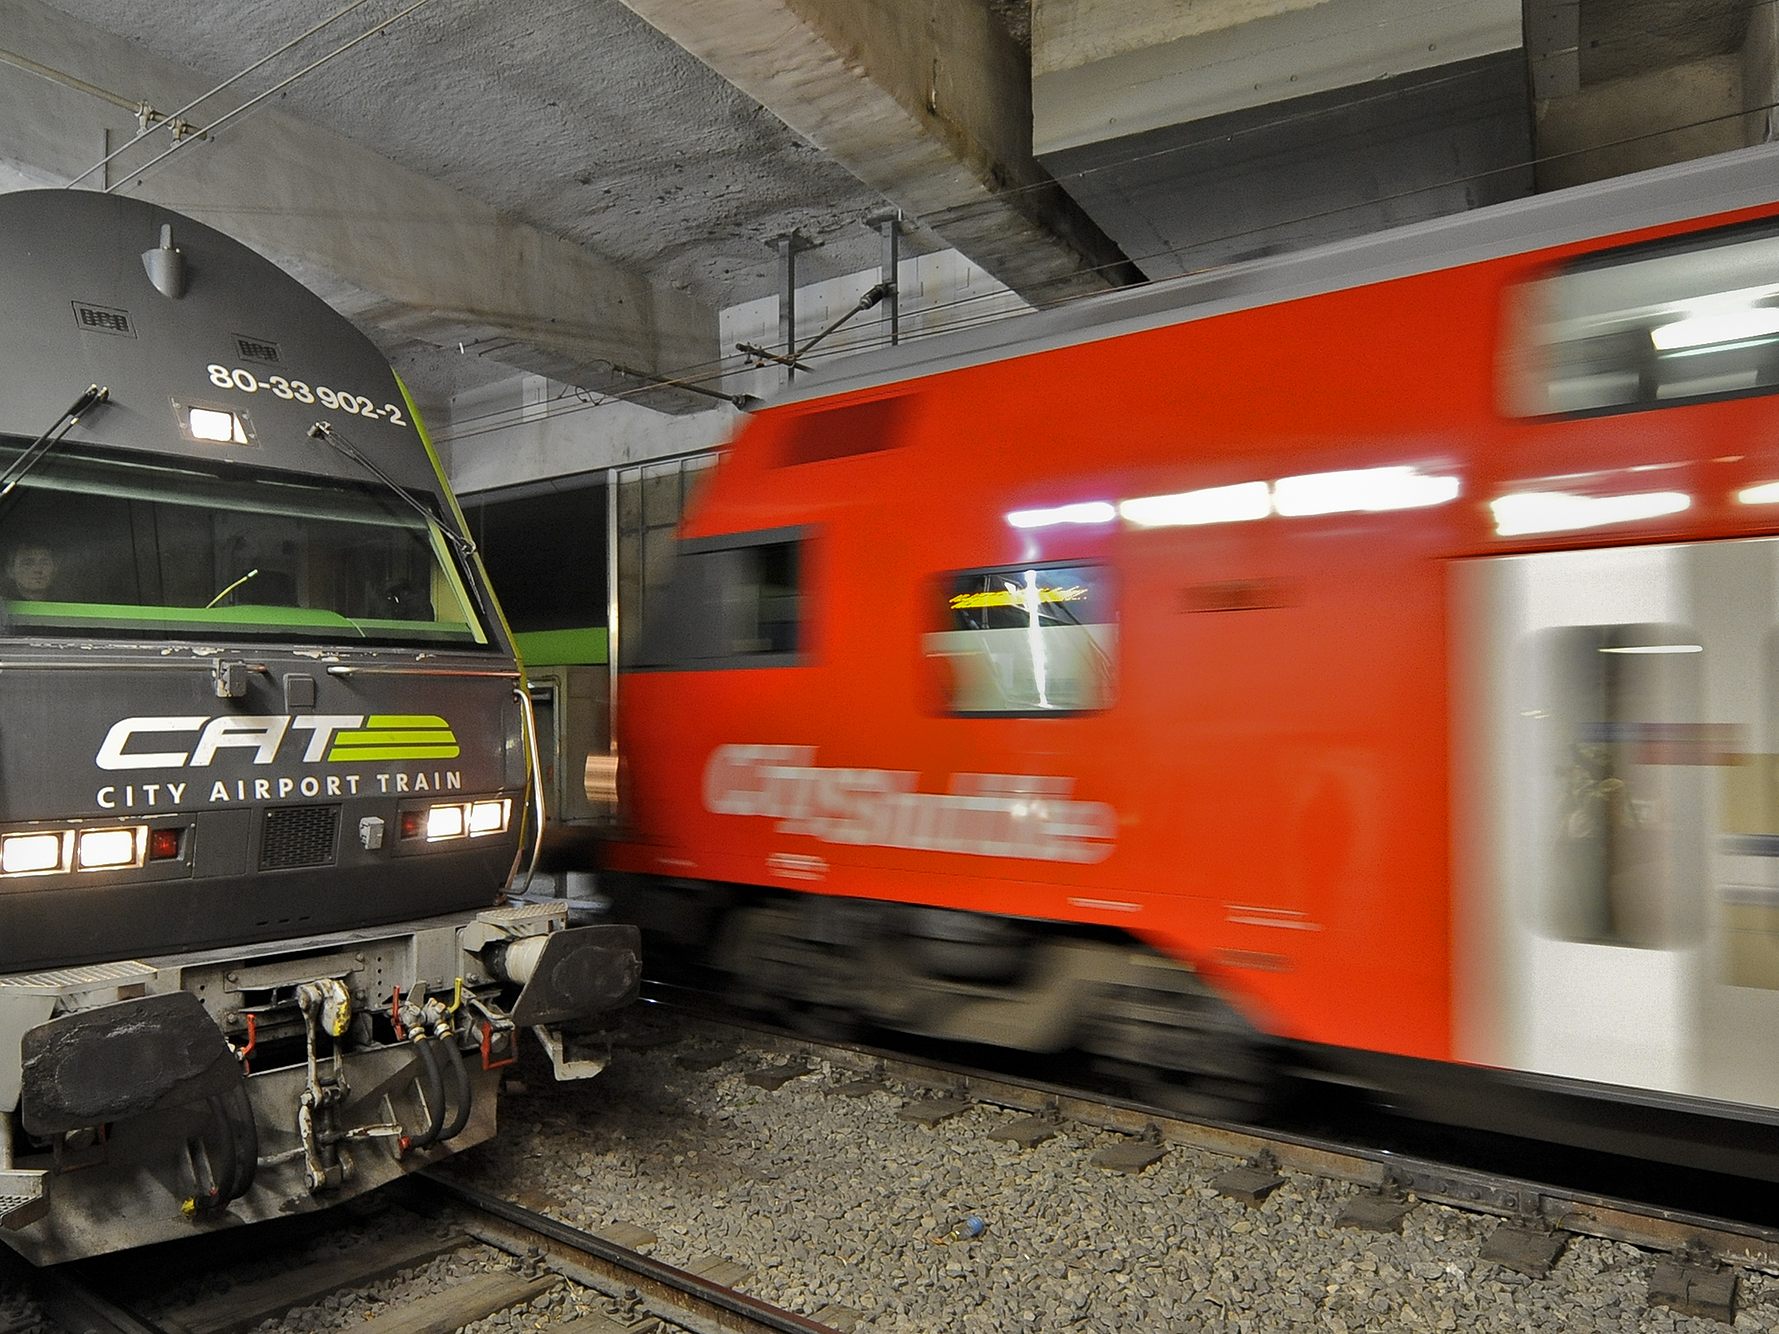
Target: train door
<point>1617,807</point>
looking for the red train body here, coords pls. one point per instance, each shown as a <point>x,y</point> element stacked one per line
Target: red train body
<point>1220,617</point>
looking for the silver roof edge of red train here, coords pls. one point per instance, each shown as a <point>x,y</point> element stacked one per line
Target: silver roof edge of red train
<point>1699,188</point>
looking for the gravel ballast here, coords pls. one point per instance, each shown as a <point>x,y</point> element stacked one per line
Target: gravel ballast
<point>837,1199</point>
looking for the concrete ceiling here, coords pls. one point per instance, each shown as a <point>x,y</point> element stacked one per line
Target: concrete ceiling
<point>576,187</point>
<point>520,129</point>
<point>574,115</point>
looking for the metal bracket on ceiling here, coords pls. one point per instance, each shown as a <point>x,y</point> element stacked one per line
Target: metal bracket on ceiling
<point>788,246</point>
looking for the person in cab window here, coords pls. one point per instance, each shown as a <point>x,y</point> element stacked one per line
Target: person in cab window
<point>30,572</point>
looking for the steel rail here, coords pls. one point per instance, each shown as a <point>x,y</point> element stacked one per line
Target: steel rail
<point>1474,1189</point>
<point>74,1306</point>
<point>697,1302</point>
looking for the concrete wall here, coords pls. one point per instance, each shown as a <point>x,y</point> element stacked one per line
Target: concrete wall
<point>1629,124</point>
<point>1760,75</point>
<point>529,428</point>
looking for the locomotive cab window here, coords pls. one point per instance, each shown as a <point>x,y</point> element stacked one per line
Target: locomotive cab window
<point>734,602</point>
<point>1035,640</point>
<point>1670,322</point>
<point>114,546</point>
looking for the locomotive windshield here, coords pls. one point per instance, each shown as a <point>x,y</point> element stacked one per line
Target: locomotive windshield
<point>119,547</point>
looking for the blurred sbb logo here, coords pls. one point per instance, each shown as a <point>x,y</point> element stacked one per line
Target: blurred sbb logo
<point>324,738</point>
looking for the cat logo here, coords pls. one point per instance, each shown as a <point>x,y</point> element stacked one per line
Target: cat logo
<point>331,738</point>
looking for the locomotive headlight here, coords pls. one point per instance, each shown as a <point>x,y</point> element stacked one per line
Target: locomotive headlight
<point>444,822</point>
<point>98,849</point>
<point>24,854</point>
<point>207,424</point>
<point>488,817</point>
<point>457,819</point>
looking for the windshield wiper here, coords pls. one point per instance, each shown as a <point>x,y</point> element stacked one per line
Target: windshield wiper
<point>34,452</point>
<point>323,431</point>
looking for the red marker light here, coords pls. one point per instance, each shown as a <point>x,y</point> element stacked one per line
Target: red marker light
<point>413,824</point>
<point>163,844</point>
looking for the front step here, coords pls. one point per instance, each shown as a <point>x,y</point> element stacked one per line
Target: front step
<point>23,1199</point>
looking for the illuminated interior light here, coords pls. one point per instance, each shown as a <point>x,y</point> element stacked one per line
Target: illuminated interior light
<point>1092,511</point>
<point>1767,493</point>
<point>21,854</point>
<point>1656,648</point>
<point>1711,327</point>
<point>96,849</point>
<point>1211,504</point>
<point>1361,491</point>
<point>1015,596</point>
<point>223,427</point>
<point>444,822</point>
<point>488,817</point>
<point>1035,640</point>
<point>1563,511</point>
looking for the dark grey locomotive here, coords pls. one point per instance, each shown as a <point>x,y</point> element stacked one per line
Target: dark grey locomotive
<point>264,754</point>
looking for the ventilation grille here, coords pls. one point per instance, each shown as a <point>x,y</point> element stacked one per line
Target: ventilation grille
<point>257,349</point>
<point>103,319</point>
<point>299,836</point>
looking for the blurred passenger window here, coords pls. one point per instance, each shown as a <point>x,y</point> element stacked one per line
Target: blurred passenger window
<point>1628,750</point>
<point>1035,640</point>
<point>1682,319</point>
<point>733,601</point>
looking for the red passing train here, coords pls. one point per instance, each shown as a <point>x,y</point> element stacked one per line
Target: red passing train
<point>1372,650</point>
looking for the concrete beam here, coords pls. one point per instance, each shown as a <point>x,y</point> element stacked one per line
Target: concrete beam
<point>1109,69</point>
<point>403,256</point>
<point>926,101</point>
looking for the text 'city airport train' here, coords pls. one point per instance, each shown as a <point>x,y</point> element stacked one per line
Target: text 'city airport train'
<point>263,754</point>
<point>1371,649</point>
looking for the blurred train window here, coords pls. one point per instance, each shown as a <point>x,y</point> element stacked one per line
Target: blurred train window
<point>1037,640</point>
<point>1674,321</point>
<point>134,545</point>
<point>855,428</point>
<point>730,602</point>
<point>1626,701</point>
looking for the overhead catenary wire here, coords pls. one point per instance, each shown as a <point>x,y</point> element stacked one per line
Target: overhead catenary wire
<point>698,375</point>
<point>702,373</point>
<point>173,118</point>
<point>139,173</point>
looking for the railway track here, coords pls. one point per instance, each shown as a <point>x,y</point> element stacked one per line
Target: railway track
<point>687,1143</point>
<point>535,1269</point>
<point>1697,1256</point>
